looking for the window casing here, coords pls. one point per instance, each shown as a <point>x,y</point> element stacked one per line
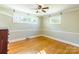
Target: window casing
<point>19,17</point>
<point>55,19</point>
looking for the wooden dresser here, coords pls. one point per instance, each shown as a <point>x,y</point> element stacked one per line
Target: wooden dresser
<point>3,41</point>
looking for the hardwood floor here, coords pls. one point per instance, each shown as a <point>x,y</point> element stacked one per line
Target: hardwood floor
<point>41,45</point>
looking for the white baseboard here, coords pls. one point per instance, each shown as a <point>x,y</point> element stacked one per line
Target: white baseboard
<point>19,39</point>
<point>67,42</point>
<point>35,36</point>
<point>15,40</point>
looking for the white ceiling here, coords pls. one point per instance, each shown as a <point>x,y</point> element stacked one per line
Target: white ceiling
<point>31,8</point>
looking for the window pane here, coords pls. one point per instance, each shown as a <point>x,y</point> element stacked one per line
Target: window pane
<point>20,17</point>
<point>55,19</point>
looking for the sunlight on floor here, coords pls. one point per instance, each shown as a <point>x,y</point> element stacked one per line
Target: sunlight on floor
<point>32,52</point>
<point>42,52</point>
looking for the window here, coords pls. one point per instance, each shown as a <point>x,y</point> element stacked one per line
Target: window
<point>20,17</point>
<point>55,19</point>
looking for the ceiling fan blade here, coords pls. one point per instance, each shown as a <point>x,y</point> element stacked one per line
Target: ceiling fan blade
<point>39,6</point>
<point>45,8</point>
<point>44,11</point>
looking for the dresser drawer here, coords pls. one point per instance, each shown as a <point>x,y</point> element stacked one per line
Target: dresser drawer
<point>3,41</point>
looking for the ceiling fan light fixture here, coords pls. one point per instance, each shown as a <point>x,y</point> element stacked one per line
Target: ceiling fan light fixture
<point>41,8</point>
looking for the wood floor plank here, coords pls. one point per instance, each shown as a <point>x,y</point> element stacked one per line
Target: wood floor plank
<point>41,45</point>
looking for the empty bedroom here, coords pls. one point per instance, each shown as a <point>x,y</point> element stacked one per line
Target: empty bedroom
<point>39,28</point>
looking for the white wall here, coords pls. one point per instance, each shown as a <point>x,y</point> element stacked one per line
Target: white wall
<point>68,30</point>
<point>17,30</point>
<point>23,30</point>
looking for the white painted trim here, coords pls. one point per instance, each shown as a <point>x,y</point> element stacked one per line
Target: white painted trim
<point>15,40</point>
<point>35,36</point>
<point>5,13</point>
<point>70,10</point>
<point>19,39</point>
<point>20,30</point>
<point>64,32</point>
<point>67,42</point>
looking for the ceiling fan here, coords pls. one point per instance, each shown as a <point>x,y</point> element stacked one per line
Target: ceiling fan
<point>41,8</point>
